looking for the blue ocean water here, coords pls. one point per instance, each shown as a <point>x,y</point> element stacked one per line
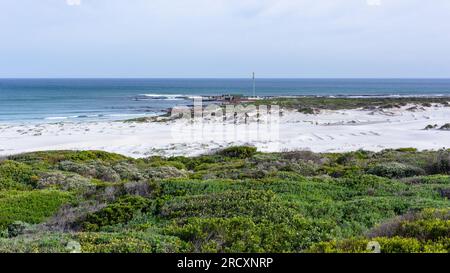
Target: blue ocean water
<point>27,100</point>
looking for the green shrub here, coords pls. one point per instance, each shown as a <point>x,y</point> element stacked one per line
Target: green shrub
<point>65,181</point>
<point>308,111</point>
<point>272,166</point>
<point>54,157</point>
<point>429,224</point>
<point>251,203</point>
<point>127,171</point>
<point>54,242</point>
<point>395,170</point>
<point>295,156</point>
<point>426,229</point>
<point>243,235</point>
<point>126,242</point>
<point>239,152</point>
<point>370,185</point>
<point>9,184</point>
<point>233,202</point>
<point>30,206</point>
<point>162,162</point>
<point>337,171</point>
<point>120,211</point>
<point>15,175</point>
<point>17,228</point>
<point>165,173</point>
<point>407,150</point>
<point>431,179</point>
<point>440,163</point>
<point>387,245</point>
<point>91,169</point>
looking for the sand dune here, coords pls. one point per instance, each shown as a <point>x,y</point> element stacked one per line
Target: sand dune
<point>329,131</point>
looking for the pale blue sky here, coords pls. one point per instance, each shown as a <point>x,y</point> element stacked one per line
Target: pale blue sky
<point>225,38</point>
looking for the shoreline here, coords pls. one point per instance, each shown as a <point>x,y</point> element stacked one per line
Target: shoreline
<point>296,102</point>
<point>328,130</point>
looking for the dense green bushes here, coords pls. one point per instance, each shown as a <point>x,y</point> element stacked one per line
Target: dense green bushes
<point>17,228</point>
<point>235,200</point>
<point>429,224</point>
<point>127,171</point>
<point>120,211</point>
<point>30,206</point>
<point>395,170</point>
<point>318,103</point>
<point>242,234</point>
<point>239,152</point>
<point>165,172</point>
<point>421,232</point>
<point>54,157</point>
<point>91,169</point>
<point>432,179</point>
<point>64,181</point>
<point>129,242</point>
<point>36,243</point>
<point>260,205</point>
<point>440,163</point>
<point>15,175</point>
<point>388,245</point>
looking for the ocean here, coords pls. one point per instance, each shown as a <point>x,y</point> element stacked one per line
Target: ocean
<point>55,100</point>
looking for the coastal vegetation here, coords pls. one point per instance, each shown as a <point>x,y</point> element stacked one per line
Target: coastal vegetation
<point>233,200</point>
<point>310,105</point>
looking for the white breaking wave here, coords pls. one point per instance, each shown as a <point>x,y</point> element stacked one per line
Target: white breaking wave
<point>126,115</point>
<point>164,96</point>
<point>56,118</point>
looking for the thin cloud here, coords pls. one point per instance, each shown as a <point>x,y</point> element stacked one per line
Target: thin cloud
<point>73,2</point>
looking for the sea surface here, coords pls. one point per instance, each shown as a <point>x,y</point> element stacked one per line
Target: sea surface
<point>56,100</point>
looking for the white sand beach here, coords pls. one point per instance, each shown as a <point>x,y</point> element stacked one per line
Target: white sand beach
<point>329,131</point>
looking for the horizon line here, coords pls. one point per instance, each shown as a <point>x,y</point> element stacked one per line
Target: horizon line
<point>224,78</point>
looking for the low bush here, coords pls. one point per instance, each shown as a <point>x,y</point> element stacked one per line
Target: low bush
<point>127,171</point>
<point>429,180</point>
<point>37,243</point>
<point>126,242</point>
<point>30,206</point>
<point>407,150</point>
<point>65,181</point>
<point>440,163</point>
<point>17,228</point>
<point>91,169</point>
<point>387,245</point>
<point>15,175</point>
<point>54,157</point>
<point>157,161</point>
<point>144,189</point>
<point>256,204</point>
<point>243,235</point>
<point>306,168</point>
<point>306,156</point>
<point>429,224</point>
<point>395,170</point>
<point>120,211</point>
<point>165,173</point>
<point>239,202</point>
<point>371,185</point>
<point>239,152</point>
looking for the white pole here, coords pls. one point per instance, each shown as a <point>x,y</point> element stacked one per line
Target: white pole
<point>254,86</point>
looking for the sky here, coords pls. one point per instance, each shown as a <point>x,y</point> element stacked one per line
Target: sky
<point>225,38</point>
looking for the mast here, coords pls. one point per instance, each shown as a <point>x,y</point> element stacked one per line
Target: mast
<point>254,85</point>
